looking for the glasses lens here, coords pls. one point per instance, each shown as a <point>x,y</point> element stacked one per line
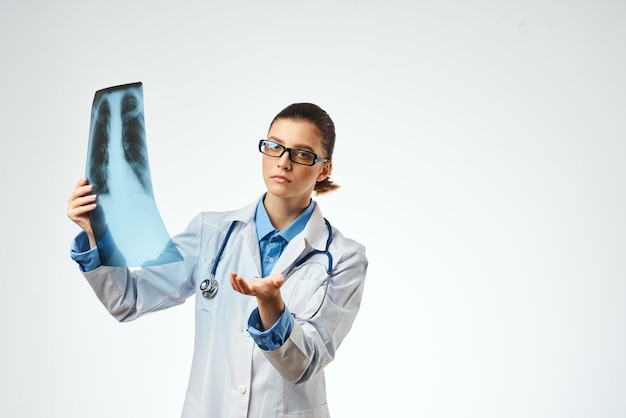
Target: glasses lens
<point>301,156</point>
<point>271,148</point>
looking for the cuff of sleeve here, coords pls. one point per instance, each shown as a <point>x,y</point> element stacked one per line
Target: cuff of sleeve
<point>87,259</point>
<point>274,337</point>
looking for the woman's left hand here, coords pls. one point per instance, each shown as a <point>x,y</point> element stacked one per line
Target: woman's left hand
<point>267,293</point>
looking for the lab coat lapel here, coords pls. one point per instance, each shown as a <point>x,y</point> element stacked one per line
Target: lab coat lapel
<point>248,233</point>
<point>252,244</point>
<point>312,237</point>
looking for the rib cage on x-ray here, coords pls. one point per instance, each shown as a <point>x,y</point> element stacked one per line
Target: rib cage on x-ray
<point>98,154</point>
<point>128,228</point>
<point>133,142</point>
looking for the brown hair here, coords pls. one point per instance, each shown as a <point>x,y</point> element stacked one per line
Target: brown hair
<point>312,113</point>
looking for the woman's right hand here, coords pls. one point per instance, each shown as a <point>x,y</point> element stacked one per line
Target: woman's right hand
<point>79,205</point>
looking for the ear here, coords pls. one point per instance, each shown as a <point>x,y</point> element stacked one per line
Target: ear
<point>326,171</point>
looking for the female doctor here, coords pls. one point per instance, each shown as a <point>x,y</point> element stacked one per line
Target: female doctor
<point>276,287</point>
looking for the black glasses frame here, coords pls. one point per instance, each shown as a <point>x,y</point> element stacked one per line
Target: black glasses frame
<point>316,158</point>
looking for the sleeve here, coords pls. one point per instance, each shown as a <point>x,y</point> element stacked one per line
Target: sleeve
<point>128,294</point>
<point>274,337</point>
<point>313,341</point>
<point>87,259</point>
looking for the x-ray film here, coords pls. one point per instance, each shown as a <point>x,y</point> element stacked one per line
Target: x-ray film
<point>127,225</point>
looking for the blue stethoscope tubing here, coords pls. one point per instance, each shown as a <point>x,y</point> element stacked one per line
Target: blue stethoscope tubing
<point>210,286</point>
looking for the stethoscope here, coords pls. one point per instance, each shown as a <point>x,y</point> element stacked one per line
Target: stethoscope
<point>210,286</point>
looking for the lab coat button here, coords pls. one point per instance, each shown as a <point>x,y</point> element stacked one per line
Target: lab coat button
<point>241,389</point>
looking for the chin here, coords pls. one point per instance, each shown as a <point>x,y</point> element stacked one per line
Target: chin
<point>279,191</point>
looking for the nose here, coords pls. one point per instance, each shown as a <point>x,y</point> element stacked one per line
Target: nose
<point>284,161</point>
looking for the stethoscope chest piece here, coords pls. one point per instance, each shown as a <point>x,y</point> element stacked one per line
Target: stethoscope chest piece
<point>209,287</point>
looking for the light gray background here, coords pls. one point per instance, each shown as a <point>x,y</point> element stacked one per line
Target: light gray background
<point>481,151</point>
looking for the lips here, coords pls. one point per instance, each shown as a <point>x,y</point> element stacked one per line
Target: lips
<point>281,179</point>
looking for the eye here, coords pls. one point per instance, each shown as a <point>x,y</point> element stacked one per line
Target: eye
<point>303,155</point>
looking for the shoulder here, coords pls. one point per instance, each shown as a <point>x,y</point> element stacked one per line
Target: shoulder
<point>339,242</point>
<point>344,243</point>
<point>220,220</point>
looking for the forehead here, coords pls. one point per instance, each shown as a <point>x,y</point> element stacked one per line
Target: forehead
<point>295,134</point>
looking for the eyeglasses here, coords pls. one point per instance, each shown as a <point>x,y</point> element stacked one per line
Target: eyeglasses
<point>297,155</point>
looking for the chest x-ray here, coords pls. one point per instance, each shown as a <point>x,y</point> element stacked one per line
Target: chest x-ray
<point>128,227</point>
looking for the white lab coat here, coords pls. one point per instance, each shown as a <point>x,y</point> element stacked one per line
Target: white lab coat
<point>230,375</point>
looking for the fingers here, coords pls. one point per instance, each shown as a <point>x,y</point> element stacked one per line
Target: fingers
<point>88,202</point>
<point>79,206</point>
<point>257,286</point>
<point>239,284</point>
<point>80,195</point>
<point>80,203</point>
<point>82,182</point>
<point>77,213</point>
<point>81,189</point>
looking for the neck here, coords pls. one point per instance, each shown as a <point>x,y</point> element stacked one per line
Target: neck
<point>283,212</point>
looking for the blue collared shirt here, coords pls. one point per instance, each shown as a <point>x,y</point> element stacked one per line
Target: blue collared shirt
<point>273,242</point>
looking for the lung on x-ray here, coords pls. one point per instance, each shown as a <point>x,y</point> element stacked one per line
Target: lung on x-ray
<point>127,225</point>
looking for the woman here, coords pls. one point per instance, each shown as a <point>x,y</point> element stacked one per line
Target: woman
<point>287,290</point>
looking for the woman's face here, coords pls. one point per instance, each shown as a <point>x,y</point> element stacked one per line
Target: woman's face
<point>284,178</point>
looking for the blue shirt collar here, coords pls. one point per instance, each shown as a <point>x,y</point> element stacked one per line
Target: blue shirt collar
<point>265,227</point>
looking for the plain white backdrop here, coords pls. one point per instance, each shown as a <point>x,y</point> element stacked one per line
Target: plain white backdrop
<point>481,151</point>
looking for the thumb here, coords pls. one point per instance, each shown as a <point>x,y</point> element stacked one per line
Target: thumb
<point>278,280</point>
